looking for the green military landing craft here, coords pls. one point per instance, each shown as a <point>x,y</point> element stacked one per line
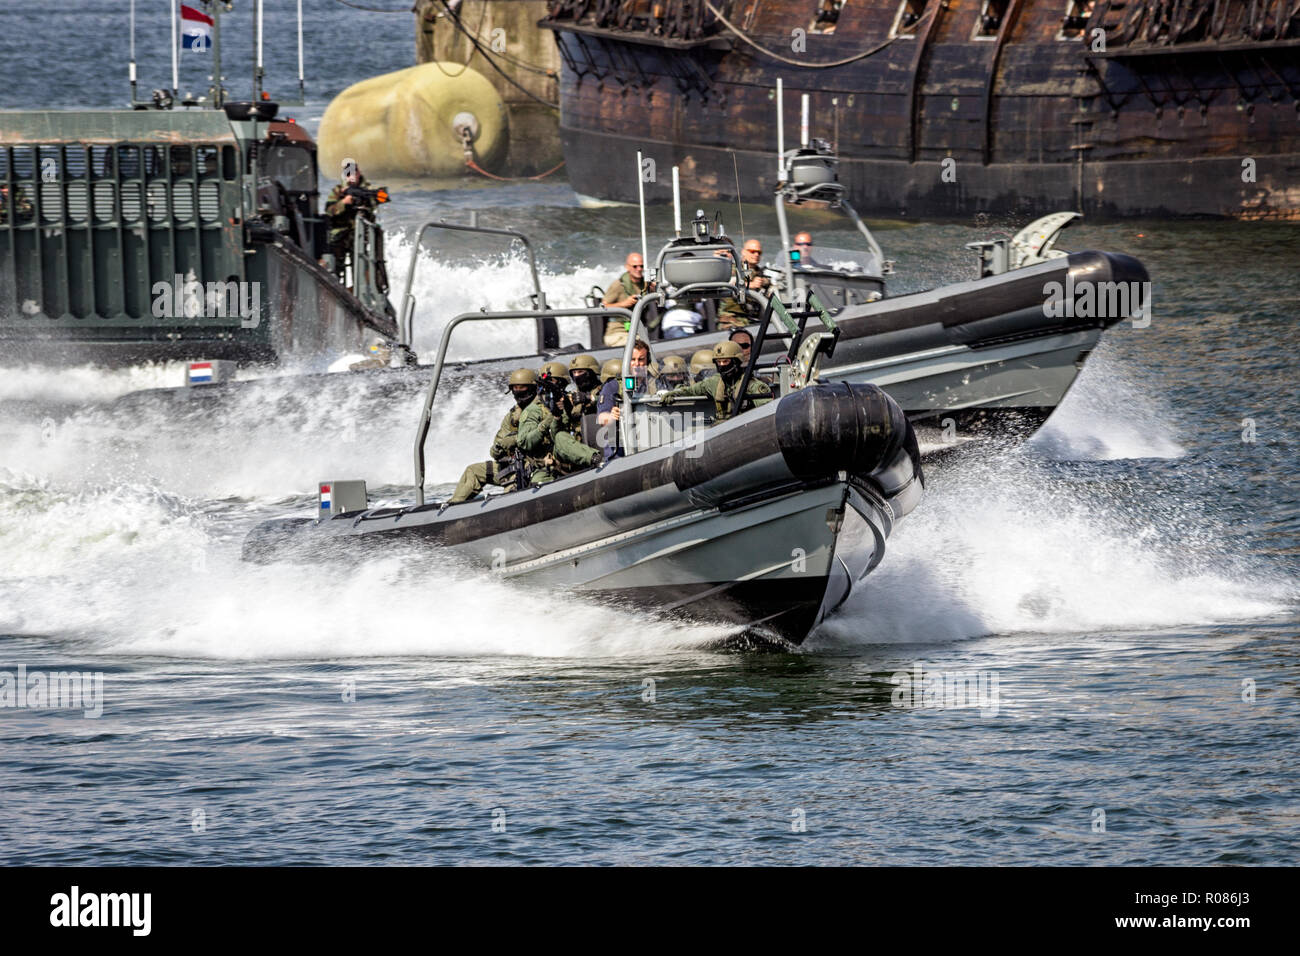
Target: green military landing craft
<point>177,230</point>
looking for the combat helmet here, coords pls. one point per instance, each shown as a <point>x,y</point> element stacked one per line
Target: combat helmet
<point>727,358</point>
<point>523,385</point>
<point>701,363</point>
<point>674,371</point>
<point>555,374</point>
<point>612,368</point>
<point>584,371</point>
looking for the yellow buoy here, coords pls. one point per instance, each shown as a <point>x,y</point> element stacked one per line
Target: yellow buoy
<point>410,122</point>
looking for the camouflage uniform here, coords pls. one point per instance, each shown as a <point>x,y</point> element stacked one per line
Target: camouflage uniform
<point>621,288</point>
<point>489,472</point>
<point>724,396</point>
<point>580,404</point>
<point>549,447</point>
<point>23,208</point>
<point>342,221</point>
<point>736,315</point>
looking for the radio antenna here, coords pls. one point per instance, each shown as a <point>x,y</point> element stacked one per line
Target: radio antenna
<point>780,132</point>
<point>740,207</point>
<point>677,205</point>
<point>640,191</point>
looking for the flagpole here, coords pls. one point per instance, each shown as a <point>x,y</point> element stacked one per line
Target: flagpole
<point>176,72</point>
<point>218,90</point>
<point>259,72</point>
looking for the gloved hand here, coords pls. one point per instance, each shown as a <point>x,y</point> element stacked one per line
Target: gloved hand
<point>666,398</point>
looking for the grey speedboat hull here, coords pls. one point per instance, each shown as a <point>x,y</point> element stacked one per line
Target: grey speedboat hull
<point>764,522</point>
<point>984,353</point>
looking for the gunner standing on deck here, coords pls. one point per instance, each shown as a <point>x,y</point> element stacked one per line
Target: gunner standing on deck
<point>342,210</point>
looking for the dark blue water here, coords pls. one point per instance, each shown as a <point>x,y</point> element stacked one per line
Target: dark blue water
<point>1128,577</point>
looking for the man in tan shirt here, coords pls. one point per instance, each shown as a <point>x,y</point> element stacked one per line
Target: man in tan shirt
<point>623,293</point>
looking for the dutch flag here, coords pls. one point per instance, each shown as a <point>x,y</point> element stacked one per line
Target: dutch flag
<point>200,372</point>
<point>196,29</point>
<point>324,497</point>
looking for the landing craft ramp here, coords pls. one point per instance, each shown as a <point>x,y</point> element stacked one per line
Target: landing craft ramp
<point>101,206</point>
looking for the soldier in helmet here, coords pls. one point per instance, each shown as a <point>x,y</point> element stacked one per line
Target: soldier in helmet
<point>673,372</point>
<point>505,467</point>
<point>701,365</point>
<point>724,386</point>
<point>545,426</point>
<point>584,372</point>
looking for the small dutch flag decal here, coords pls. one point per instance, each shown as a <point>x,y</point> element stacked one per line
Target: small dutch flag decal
<point>324,497</point>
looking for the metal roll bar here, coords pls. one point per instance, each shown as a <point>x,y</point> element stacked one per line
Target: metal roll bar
<point>406,319</point>
<point>735,292</point>
<point>422,430</point>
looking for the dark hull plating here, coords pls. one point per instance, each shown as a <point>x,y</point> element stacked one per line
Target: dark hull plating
<point>1003,107</point>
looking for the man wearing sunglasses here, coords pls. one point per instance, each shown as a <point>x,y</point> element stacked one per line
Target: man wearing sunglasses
<point>734,314</point>
<point>623,293</point>
<point>803,245</point>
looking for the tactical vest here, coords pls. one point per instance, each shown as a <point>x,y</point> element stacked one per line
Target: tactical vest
<point>725,397</point>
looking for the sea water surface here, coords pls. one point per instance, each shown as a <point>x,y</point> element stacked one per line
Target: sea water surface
<point>1123,587</point>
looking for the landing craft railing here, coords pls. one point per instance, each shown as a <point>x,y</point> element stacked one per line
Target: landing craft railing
<point>547,336</point>
<point>422,430</point>
<point>367,261</point>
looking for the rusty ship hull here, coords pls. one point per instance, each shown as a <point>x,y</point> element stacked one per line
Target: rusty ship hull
<point>1144,109</point>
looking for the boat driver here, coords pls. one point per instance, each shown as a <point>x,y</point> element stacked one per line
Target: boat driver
<point>623,293</point>
<point>733,314</point>
<point>609,402</point>
<point>803,244</point>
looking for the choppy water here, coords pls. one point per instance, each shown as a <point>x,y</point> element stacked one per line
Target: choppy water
<point>1129,576</point>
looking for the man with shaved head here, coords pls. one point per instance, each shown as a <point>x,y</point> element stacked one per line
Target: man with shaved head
<point>623,293</point>
<point>735,314</point>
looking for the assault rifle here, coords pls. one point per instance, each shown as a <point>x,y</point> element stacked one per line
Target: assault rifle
<point>515,470</point>
<point>372,196</point>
